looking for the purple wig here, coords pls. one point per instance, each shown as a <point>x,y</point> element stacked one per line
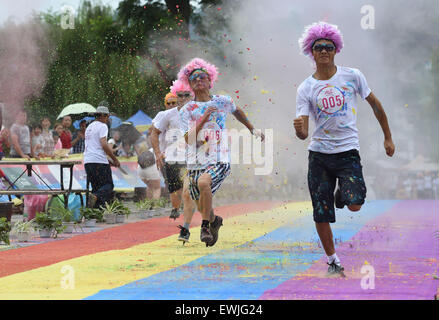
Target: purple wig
<point>319,31</point>
<point>194,64</point>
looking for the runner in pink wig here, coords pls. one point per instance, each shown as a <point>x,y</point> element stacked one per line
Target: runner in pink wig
<point>317,31</point>
<point>198,64</point>
<point>180,86</point>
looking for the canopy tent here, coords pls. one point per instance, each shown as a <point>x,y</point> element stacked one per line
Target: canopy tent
<point>141,121</point>
<point>115,121</point>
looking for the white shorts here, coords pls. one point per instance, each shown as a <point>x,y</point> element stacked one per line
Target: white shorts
<point>149,173</point>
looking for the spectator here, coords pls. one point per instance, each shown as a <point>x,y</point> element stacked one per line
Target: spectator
<point>420,186</point>
<point>436,186</point>
<point>4,141</point>
<point>47,136</point>
<point>20,137</point>
<point>408,184</point>
<point>66,135</point>
<point>78,141</point>
<point>96,163</point>
<point>58,129</point>
<point>37,140</point>
<point>428,186</point>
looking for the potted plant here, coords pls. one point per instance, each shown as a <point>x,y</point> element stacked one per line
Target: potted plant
<point>47,225</point>
<point>23,230</point>
<point>161,206</point>
<point>121,211</point>
<point>5,228</point>
<point>146,207</point>
<point>91,216</point>
<point>65,215</point>
<point>110,211</point>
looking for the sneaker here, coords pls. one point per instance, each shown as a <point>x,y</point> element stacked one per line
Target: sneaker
<point>184,234</point>
<point>335,270</point>
<point>206,236</point>
<point>92,199</point>
<point>214,228</point>
<point>174,214</point>
<point>338,203</point>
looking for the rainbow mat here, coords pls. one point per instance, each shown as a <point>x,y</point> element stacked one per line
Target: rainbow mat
<point>265,251</point>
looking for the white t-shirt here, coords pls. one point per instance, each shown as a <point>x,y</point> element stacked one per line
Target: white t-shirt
<point>93,152</point>
<point>216,149</point>
<point>171,138</point>
<point>332,104</point>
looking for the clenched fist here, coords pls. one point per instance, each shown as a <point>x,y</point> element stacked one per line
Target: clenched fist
<point>300,127</point>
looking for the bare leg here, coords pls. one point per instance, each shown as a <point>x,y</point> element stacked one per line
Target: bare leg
<point>325,235</point>
<point>354,207</point>
<point>204,185</point>
<point>176,198</point>
<point>154,190</point>
<point>188,203</point>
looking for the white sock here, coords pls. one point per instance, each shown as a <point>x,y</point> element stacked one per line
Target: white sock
<point>334,258</point>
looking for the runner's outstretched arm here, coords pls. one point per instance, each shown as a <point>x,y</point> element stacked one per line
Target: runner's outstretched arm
<point>241,117</point>
<point>380,114</point>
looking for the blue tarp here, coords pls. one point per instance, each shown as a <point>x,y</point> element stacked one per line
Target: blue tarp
<point>115,121</point>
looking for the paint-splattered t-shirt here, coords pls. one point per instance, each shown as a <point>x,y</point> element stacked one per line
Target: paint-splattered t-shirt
<point>212,144</point>
<point>332,104</point>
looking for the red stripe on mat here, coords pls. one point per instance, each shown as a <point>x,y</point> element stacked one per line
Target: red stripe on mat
<point>115,238</point>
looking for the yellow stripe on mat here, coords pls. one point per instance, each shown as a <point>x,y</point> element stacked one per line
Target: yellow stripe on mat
<point>81,277</point>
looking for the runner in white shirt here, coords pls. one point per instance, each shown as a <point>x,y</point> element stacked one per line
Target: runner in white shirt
<point>96,163</point>
<point>169,148</point>
<point>329,98</point>
<point>203,123</point>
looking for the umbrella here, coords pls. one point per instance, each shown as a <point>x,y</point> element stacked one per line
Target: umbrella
<point>77,108</point>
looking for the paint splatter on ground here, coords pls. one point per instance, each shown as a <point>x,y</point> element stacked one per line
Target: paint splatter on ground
<point>265,251</point>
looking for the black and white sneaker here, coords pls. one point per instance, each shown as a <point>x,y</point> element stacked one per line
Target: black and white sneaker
<point>214,228</point>
<point>184,234</point>
<point>206,235</point>
<point>174,214</point>
<point>335,270</point>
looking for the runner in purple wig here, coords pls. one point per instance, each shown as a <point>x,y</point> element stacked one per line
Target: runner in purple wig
<point>329,98</point>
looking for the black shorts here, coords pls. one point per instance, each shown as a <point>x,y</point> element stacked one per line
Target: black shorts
<point>323,171</point>
<point>173,176</point>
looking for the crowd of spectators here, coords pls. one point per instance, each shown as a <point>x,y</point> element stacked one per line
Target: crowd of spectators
<point>39,140</point>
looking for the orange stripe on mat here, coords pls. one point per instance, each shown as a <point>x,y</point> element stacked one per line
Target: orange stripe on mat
<point>115,238</point>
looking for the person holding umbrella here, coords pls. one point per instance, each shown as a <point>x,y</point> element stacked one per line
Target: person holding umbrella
<point>96,164</point>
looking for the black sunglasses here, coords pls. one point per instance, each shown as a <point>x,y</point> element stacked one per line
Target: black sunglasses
<point>320,47</point>
<point>183,95</point>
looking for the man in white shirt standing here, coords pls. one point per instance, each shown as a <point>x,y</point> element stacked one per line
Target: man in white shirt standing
<point>96,163</point>
<point>329,98</point>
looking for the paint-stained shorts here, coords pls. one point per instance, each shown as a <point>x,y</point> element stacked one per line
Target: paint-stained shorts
<point>173,176</point>
<point>218,172</point>
<point>323,172</point>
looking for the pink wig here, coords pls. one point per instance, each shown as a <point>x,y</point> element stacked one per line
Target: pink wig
<point>179,86</point>
<point>194,64</point>
<point>318,31</point>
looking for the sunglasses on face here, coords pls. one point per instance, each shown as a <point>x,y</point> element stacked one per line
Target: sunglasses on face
<point>320,47</point>
<point>183,95</point>
<point>198,75</point>
<point>170,103</point>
